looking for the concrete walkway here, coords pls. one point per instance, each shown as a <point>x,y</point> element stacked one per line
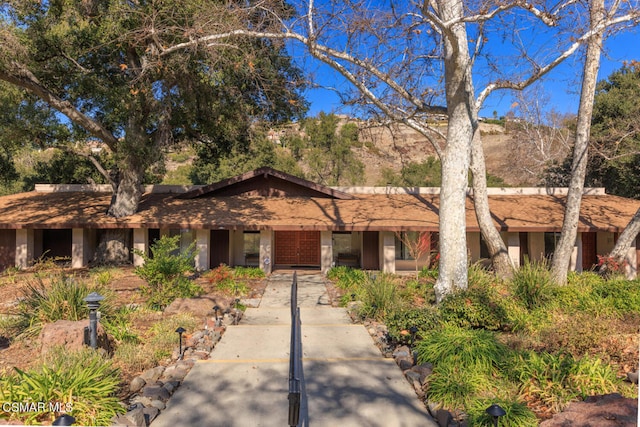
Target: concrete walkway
<point>346,381</point>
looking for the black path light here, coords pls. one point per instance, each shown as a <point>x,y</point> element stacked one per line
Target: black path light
<point>496,412</point>
<point>413,330</point>
<point>64,420</point>
<point>93,303</point>
<point>181,331</point>
<point>216,308</point>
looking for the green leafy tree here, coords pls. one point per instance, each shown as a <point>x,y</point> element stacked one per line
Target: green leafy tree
<point>328,153</point>
<point>108,68</point>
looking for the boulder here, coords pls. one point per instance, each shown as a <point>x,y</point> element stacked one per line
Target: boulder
<point>70,335</point>
<point>603,411</point>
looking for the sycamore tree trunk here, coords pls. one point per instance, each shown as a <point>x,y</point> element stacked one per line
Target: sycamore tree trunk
<point>453,272</point>
<point>564,248</point>
<point>500,259</point>
<point>621,249</point>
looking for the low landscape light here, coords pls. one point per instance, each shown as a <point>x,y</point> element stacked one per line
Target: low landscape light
<point>93,303</point>
<point>64,420</point>
<point>496,412</point>
<point>180,331</point>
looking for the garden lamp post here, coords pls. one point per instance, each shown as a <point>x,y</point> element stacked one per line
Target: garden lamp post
<point>413,330</point>
<point>93,303</point>
<point>180,331</point>
<point>496,412</point>
<point>216,308</point>
<point>64,420</point>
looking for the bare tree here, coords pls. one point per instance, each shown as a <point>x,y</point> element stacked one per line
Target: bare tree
<point>564,248</point>
<point>404,60</point>
<point>418,245</point>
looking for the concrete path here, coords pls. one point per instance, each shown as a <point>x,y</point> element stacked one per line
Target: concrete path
<point>346,381</point>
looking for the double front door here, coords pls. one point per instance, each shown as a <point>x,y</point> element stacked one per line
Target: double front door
<point>297,248</point>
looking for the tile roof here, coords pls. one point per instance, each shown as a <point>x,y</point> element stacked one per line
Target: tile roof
<point>364,212</point>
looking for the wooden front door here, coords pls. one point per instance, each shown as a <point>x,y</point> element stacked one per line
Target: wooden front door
<point>297,248</point>
<point>589,253</point>
<point>219,248</point>
<point>370,251</point>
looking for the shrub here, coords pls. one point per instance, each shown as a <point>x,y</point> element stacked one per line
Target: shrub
<point>378,295</point>
<point>517,413</point>
<point>165,272</point>
<point>61,299</point>
<point>347,278</point>
<point>557,379</point>
<point>476,307</point>
<point>471,350</point>
<point>83,382</point>
<point>400,321</point>
<point>120,326</point>
<point>428,273</point>
<point>455,387</point>
<point>532,284</point>
<point>248,272</point>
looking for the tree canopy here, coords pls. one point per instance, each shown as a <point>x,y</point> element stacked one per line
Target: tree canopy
<point>100,66</point>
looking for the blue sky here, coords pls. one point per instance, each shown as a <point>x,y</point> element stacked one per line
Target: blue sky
<point>561,85</point>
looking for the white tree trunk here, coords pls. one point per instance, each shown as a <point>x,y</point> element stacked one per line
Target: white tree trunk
<point>502,263</point>
<point>456,155</point>
<point>626,238</point>
<point>562,253</point>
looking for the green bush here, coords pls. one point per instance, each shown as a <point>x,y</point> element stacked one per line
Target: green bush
<point>455,387</point>
<point>347,278</point>
<point>476,307</point>
<point>517,413</point>
<point>558,379</point>
<point>119,325</point>
<point>165,272</point>
<point>400,321</point>
<point>379,296</point>
<point>62,299</point>
<point>248,272</point>
<point>471,350</point>
<point>82,382</point>
<point>533,285</point>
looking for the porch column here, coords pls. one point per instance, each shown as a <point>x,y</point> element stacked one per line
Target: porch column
<point>203,240</point>
<point>25,245</point>
<point>266,258</point>
<point>326,251</point>
<point>81,249</point>
<point>513,247</point>
<point>388,251</point>
<point>473,245</point>
<point>140,243</point>
<point>575,263</point>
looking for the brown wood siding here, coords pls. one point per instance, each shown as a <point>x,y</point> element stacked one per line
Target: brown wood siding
<point>56,243</point>
<point>297,248</point>
<point>370,250</point>
<point>589,251</point>
<point>7,249</point>
<point>219,248</point>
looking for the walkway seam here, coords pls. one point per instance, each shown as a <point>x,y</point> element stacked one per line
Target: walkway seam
<point>307,359</point>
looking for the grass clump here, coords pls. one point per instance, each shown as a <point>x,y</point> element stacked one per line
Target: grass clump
<point>477,307</point>
<point>165,272</point>
<point>82,383</point>
<point>47,299</point>
<point>379,296</point>
<point>347,278</point>
<point>532,285</point>
<point>517,413</point>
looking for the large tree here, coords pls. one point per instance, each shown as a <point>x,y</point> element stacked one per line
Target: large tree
<point>102,65</point>
<point>404,59</point>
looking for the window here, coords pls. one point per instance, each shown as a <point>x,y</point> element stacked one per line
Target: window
<point>342,243</point>
<point>407,241</point>
<point>251,243</point>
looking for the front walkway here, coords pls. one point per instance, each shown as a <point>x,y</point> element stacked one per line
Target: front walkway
<point>346,380</point>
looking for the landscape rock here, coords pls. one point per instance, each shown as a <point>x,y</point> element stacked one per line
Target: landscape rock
<point>200,307</point>
<point>159,404</point>
<point>152,375</point>
<point>602,411</point>
<point>150,414</point>
<point>70,335</point>
<point>136,384</point>
<point>155,393</point>
<point>136,417</point>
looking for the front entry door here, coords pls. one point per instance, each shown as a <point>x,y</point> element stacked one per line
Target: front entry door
<point>297,248</point>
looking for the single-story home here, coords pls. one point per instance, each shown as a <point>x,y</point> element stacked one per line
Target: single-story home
<point>271,219</point>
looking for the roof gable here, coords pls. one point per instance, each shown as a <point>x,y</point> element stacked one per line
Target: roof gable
<point>266,182</point>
